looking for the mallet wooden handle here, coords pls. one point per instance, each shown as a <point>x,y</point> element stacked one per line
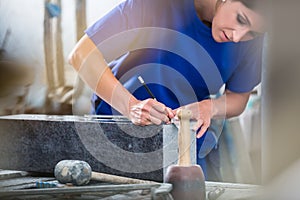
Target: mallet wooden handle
<point>97,176</point>
<point>184,137</point>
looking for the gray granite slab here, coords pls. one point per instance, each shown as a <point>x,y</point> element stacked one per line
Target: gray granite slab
<point>109,144</point>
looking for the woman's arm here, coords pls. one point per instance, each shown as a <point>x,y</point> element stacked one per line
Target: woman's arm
<point>228,105</point>
<point>90,64</point>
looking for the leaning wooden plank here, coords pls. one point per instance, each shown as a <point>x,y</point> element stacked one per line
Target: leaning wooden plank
<point>49,49</point>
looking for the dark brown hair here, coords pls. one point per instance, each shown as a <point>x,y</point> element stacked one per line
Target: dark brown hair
<point>260,6</point>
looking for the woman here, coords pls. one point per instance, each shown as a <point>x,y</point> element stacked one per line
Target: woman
<point>186,51</point>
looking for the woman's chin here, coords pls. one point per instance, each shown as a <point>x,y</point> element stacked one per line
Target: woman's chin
<point>217,39</point>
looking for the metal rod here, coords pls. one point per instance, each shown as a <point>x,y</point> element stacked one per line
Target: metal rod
<point>79,189</point>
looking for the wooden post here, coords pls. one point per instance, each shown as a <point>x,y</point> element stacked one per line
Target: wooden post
<point>80,27</point>
<point>80,18</point>
<point>60,64</point>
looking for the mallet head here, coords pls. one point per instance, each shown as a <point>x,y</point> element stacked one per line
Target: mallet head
<point>73,171</point>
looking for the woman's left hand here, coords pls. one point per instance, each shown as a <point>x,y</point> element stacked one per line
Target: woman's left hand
<point>202,113</point>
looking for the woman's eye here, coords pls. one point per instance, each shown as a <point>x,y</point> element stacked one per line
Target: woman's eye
<point>241,19</point>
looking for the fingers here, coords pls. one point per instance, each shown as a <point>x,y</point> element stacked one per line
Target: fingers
<point>136,117</point>
<point>202,115</point>
<point>150,111</point>
<point>171,114</point>
<point>201,126</point>
<point>160,113</point>
<point>202,129</point>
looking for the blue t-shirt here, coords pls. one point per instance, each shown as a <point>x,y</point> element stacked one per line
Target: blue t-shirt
<point>168,45</point>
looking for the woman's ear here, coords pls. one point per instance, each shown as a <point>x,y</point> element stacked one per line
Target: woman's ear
<point>218,3</point>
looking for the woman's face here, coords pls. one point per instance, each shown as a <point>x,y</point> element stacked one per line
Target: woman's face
<point>234,22</point>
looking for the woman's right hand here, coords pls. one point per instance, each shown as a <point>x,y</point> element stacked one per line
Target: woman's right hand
<point>149,111</point>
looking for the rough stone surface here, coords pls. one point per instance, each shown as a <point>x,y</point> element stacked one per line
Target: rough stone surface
<point>115,146</point>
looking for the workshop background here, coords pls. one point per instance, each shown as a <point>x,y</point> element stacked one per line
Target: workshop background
<point>36,37</point>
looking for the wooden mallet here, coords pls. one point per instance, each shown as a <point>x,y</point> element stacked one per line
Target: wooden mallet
<point>79,172</point>
<point>188,180</point>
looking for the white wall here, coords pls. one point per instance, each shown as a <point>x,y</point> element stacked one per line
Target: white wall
<point>97,8</point>
<point>25,20</point>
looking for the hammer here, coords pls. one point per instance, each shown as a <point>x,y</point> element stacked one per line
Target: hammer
<point>79,172</point>
<point>188,180</point>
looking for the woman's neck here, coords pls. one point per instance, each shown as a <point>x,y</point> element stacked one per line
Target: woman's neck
<point>205,9</point>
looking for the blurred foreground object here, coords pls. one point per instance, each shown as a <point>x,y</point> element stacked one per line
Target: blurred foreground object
<point>280,103</point>
<point>15,80</point>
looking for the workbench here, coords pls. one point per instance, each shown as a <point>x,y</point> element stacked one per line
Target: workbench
<point>23,185</point>
<point>35,143</point>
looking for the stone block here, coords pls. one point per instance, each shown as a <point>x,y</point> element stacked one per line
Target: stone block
<point>109,144</point>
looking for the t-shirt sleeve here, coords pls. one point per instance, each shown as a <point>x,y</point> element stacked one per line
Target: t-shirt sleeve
<point>127,15</point>
<point>248,74</point>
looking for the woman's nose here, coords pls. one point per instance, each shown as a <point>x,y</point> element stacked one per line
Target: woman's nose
<point>238,35</point>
